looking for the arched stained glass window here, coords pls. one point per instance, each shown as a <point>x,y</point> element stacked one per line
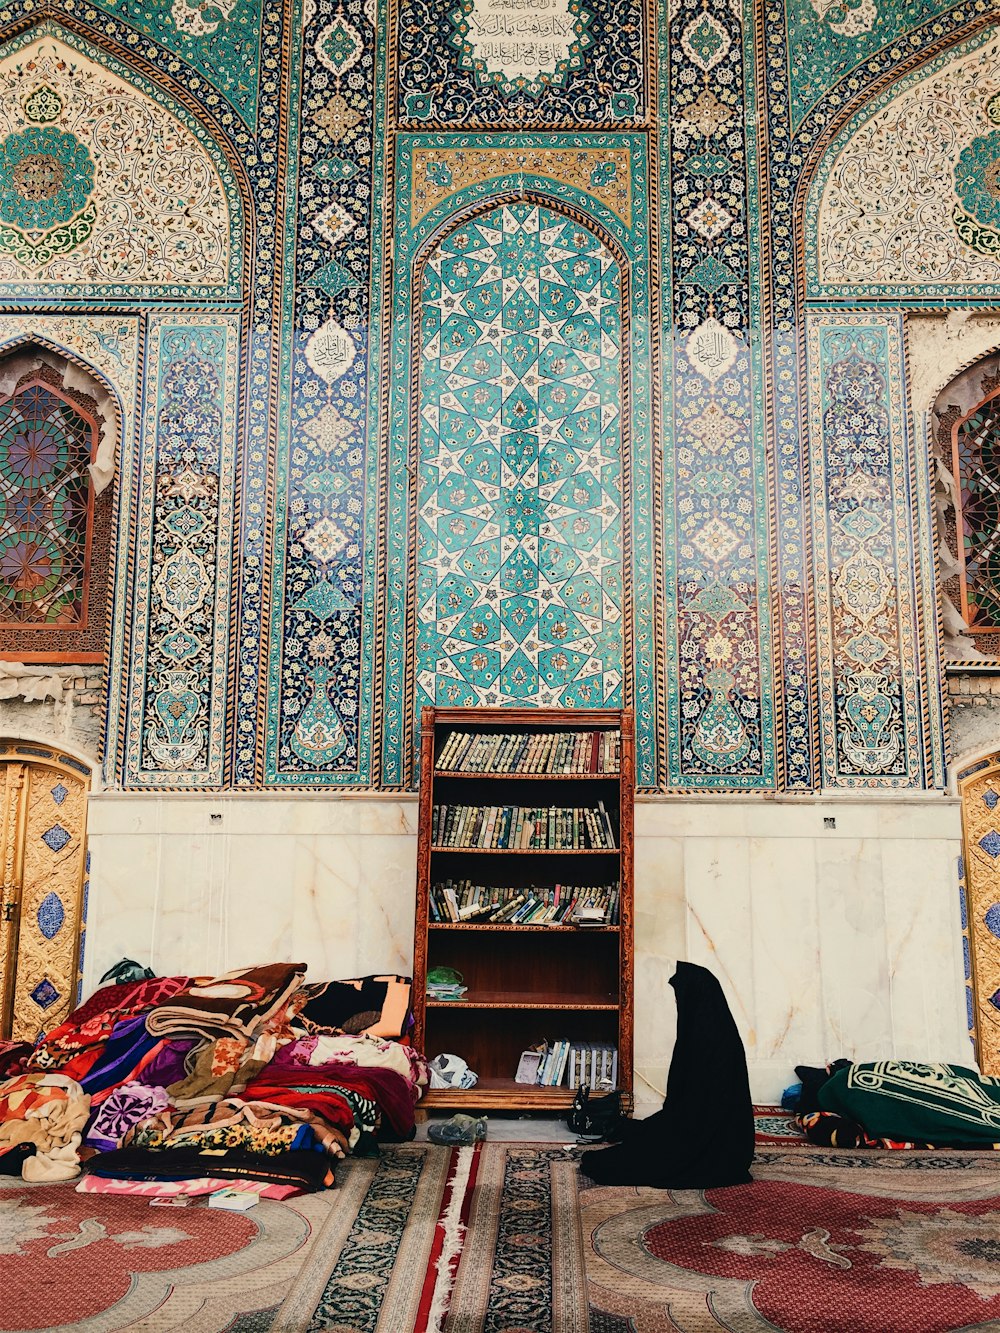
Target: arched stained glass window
<point>976,468</point>
<point>55,533</point>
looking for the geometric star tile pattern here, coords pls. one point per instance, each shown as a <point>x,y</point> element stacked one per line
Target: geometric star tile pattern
<point>519,519</point>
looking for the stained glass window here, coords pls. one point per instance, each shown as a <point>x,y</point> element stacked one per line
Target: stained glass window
<point>47,441</point>
<point>976,467</point>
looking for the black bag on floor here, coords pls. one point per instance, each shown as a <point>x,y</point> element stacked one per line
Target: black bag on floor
<point>594,1117</point>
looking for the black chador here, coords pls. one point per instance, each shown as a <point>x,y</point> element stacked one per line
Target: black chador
<point>703,1137</point>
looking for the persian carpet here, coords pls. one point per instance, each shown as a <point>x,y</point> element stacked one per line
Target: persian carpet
<point>820,1242</point>
<point>101,1263</point>
<point>773,1124</point>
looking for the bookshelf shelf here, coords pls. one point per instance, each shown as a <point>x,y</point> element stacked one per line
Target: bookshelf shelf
<point>471,925</point>
<point>494,776</point>
<point>526,1000</point>
<point>541,978</point>
<point>532,851</point>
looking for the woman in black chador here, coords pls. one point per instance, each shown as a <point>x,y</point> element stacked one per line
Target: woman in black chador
<point>703,1137</point>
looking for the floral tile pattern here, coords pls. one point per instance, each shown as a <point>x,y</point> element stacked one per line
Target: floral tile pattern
<point>519,510</point>
<point>634,511</point>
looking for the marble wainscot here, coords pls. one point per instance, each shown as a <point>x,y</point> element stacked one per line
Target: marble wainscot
<point>833,924</point>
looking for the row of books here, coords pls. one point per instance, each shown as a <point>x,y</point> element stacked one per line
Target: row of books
<point>526,828</point>
<point>561,904</point>
<point>570,1063</point>
<point>556,752</point>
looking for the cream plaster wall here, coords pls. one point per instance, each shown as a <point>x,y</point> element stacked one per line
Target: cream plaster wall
<point>829,941</point>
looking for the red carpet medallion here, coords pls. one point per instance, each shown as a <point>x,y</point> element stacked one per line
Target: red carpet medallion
<point>819,1243</point>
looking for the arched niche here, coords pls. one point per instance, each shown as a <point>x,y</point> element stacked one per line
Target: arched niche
<point>58,435</point>
<point>520,390</point>
<point>108,187</point>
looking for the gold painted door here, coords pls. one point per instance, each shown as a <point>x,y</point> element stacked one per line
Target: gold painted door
<point>43,813</point>
<point>979,788</point>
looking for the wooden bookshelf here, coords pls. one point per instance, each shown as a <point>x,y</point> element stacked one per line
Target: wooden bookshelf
<point>527,983</point>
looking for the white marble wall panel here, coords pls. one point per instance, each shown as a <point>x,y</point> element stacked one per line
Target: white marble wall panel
<point>828,941</point>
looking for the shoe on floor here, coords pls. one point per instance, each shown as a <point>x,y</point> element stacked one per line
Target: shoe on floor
<point>459,1129</point>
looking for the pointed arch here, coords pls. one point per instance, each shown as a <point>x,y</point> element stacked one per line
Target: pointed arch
<point>56,516</point>
<point>519,440</point>
<point>91,154</point>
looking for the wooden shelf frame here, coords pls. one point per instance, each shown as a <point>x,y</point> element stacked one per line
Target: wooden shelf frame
<point>493,1023</point>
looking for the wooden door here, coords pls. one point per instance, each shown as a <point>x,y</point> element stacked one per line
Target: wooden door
<point>43,813</point>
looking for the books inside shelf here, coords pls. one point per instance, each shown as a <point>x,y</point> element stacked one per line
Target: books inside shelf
<point>556,753</point>
<point>570,1064</point>
<point>556,905</point>
<point>523,828</point>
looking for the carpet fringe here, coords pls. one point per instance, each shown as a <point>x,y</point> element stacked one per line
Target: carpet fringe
<point>454,1238</point>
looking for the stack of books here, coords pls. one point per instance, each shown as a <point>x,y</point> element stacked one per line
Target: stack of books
<point>559,753</point>
<point>524,828</point>
<point>570,1063</point>
<point>595,1065</point>
<point>557,905</point>
<point>445,990</point>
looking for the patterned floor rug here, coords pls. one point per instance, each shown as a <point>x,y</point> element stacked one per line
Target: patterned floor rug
<point>104,1263</point>
<point>773,1124</point>
<point>821,1242</point>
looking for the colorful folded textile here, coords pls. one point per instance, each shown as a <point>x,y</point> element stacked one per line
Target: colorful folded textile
<point>342,1106</point>
<point>49,1111</point>
<point>127,1046</point>
<point>389,1092</point>
<point>173,1189</point>
<point>254,1126</point>
<point>235,1005</point>
<point>378,1006</point>
<point>124,1107</point>
<point>307,1169</point>
<point>366,1052</point>
<point>14,1058</point>
<point>897,1102</point>
<point>221,1068</point>
<point>76,1045</point>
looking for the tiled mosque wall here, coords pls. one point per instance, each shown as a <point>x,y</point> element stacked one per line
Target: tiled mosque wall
<point>554,356</point>
<point>550,353</point>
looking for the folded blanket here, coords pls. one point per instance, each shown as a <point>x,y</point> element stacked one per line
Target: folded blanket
<point>902,1101</point>
<point>255,1126</point>
<point>127,1046</point>
<point>344,1103</point>
<point>221,1068</point>
<point>234,1005</point>
<point>175,1189</point>
<point>124,1107</point>
<point>379,1006</point>
<point>306,1169</point>
<point>49,1111</point>
<point>366,1052</point>
<point>390,1092</point>
<point>76,1045</point>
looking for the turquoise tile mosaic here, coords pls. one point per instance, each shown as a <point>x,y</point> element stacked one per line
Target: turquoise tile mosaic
<point>478,352</point>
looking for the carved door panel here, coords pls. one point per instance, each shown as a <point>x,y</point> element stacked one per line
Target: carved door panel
<point>43,811</point>
<point>979,788</point>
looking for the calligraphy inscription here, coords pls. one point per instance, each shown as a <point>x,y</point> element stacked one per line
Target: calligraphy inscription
<point>521,44</point>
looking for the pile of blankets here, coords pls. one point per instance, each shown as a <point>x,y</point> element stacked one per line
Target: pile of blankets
<point>180,1084</point>
<point>897,1104</point>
